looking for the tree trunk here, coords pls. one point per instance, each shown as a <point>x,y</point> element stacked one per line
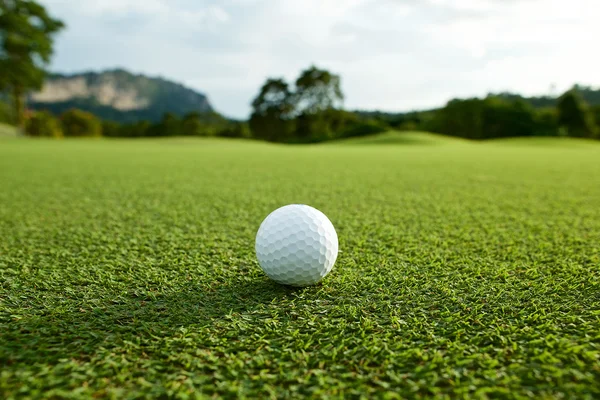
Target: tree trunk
<point>18,103</point>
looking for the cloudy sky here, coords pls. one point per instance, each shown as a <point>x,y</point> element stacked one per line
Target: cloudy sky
<point>393,55</point>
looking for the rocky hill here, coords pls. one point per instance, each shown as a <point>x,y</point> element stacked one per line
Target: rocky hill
<point>118,95</point>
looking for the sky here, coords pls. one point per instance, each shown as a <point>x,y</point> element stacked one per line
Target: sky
<point>391,55</point>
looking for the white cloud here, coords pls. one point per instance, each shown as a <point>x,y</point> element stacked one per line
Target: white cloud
<point>391,54</point>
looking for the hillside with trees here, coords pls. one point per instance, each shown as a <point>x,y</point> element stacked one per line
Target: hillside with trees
<point>118,95</point>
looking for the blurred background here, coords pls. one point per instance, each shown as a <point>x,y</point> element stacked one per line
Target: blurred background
<point>297,72</point>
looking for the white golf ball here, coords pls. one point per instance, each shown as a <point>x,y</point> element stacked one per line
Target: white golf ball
<point>296,245</point>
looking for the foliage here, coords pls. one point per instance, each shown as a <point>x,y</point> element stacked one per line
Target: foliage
<point>334,124</point>
<point>274,95</point>
<point>507,119</point>
<point>43,124</point>
<point>313,127</point>
<point>463,118</point>
<point>574,116</point>
<point>77,123</point>
<point>273,111</point>
<point>363,128</point>
<point>587,93</point>
<point>236,130</point>
<point>111,129</point>
<point>493,117</point>
<point>317,90</point>
<point>6,113</point>
<point>192,124</point>
<point>535,101</point>
<point>596,113</point>
<point>27,32</point>
<point>127,270</point>
<point>211,123</point>
<point>135,130</point>
<point>496,116</point>
<point>271,126</point>
<point>546,121</point>
<point>170,125</point>
<point>306,114</point>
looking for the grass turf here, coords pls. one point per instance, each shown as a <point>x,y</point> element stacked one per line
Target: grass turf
<point>127,269</point>
<point>7,131</point>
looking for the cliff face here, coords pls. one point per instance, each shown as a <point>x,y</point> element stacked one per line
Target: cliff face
<point>118,95</point>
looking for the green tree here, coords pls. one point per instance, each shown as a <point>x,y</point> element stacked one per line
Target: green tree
<point>344,124</point>
<point>111,129</point>
<point>575,116</point>
<point>78,123</point>
<point>273,112</point>
<point>6,113</point>
<point>317,90</point>
<point>314,127</point>
<point>136,129</point>
<point>596,113</point>
<point>213,123</point>
<point>546,120</point>
<point>275,94</point>
<point>192,126</point>
<point>318,96</point>
<point>43,124</point>
<point>26,36</point>
<point>462,118</point>
<point>503,118</point>
<point>169,125</point>
<point>236,130</point>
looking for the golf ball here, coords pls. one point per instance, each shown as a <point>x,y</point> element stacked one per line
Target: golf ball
<point>296,245</point>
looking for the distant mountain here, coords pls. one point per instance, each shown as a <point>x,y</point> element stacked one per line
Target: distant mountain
<point>118,95</point>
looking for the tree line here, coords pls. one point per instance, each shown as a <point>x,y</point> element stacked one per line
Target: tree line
<point>498,117</point>
<point>308,114</point>
<point>79,123</point>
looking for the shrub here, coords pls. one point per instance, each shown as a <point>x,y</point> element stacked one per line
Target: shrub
<point>111,129</point>
<point>271,127</point>
<point>6,114</point>
<point>596,113</point>
<point>575,116</point>
<point>43,124</point>
<point>236,130</point>
<point>136,129</point>
<point>78,123</point>
<point>502,118</point>
<point>363,128</point>
<point>546,121</point>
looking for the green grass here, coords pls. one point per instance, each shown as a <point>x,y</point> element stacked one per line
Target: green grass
<point>7,130</point>
<point>404,138</point>
<point>547,141</point>
<point>127,270</point>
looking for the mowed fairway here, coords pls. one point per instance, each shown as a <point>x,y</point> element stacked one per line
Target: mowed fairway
<point>127,269</point>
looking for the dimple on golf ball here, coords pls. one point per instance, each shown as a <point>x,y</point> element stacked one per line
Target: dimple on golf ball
<point>296,245</point>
